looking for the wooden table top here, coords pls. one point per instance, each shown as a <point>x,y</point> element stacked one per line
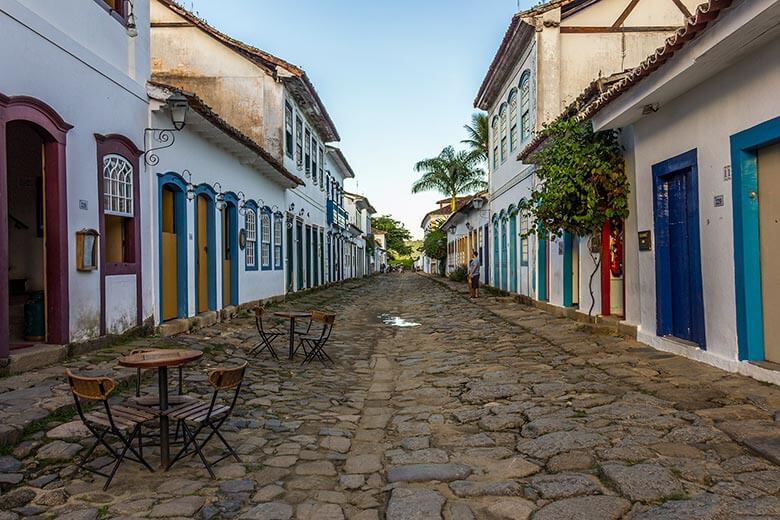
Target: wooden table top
<point>161,357</point>
<point>292,314</point>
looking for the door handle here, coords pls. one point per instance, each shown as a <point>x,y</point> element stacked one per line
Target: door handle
<point>753,195</point>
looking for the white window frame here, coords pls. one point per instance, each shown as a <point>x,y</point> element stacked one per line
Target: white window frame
<point>265,240</point>
<point>251,238</point>
<point>117,186</point>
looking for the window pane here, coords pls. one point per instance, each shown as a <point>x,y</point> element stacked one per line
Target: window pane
<point>117,186</point>
<point>115,239</point>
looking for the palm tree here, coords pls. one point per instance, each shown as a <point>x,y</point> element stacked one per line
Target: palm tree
<point>451,173</point>
<point>478,132</point>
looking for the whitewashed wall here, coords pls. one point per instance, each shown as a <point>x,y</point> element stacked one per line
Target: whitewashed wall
<point>94,79</point>
<point>208,164</point>
<point>703,119</point>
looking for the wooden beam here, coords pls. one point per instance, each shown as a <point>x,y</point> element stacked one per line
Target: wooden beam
<point>682,8</point>
<point>592,30</point>
<point>625,13</point>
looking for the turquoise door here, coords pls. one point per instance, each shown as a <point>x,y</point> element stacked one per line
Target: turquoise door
<point>503,256</point>
<point>541,245</point>
<point>496,268</point>
<point>513,254</point>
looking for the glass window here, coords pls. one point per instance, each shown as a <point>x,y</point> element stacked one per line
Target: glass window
<point>278,242</point>
<point>525,105</point>
<point>322,165</point>
<point>314,160</point>
<point>512,120</point>
<point>503,149</point>
<point>307,151</point>
<point>117,186</point>
<point>265,230</point>
<point>117,207</point>
<point>298,142</point>
<point>288,129</point>
<point>495,157</point>
<point>251,238</point>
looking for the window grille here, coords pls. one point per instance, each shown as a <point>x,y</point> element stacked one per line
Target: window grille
<point>117,186</point>
<point>265,230</point>
<point>278,242</point>
<point>251,238</point>
<point>288,130</point>
<point>299,142</point>
<point>525,106</point>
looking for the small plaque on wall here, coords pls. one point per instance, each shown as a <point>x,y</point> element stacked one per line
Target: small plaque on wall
<point>645,241</point>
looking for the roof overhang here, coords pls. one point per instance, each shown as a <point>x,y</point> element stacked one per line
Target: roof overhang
<point>516,39</point>
<point>210,126</point>
<point>307,99</point>
<point>689,58</point>
<point>341,161</point>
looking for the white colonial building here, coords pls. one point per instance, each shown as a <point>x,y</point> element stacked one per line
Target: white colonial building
<point>73,198</point>
<point>549,54</point>
<point>700,121</point>
<point>218,199</point>
<point>275,105</point>
<point>468,232</point>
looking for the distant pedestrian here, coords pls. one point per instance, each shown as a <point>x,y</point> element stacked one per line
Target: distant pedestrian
<point>474,267</point>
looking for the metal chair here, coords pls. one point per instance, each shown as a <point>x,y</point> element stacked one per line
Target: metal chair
<point>114,420</point>
<point>316,343</point>
<point>267,336</point>
<point>209,415</point>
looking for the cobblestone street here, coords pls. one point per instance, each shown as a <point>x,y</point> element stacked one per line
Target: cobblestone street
<point>491,410</point>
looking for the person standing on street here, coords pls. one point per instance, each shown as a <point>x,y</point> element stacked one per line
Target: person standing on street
<point>474,267</point>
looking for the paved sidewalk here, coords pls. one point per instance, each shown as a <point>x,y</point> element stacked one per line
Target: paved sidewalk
<point>491,410</point>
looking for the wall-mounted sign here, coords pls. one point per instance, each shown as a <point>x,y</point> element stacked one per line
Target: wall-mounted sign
<point>242,239</point>
<point>595,244</point>
<point>645,241</point>
<point>86,249</point>
<point>727,172</point>
<point>718,201</point>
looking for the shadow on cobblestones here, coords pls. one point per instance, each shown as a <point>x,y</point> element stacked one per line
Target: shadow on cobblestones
<point>493,410</point>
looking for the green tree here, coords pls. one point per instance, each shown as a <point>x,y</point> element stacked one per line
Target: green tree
<point>396,235</point>
<point>478,135</point>
<point>451,173</point>
<point>435,246</point>
<point>581,182</point>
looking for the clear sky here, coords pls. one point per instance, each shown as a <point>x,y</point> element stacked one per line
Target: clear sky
<point>398,77</point>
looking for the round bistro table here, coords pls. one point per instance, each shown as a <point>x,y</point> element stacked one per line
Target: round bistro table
<point>161,359</point>
<point>292,316</point>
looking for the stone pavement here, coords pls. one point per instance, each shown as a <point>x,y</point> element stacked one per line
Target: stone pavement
<point>491,410</point>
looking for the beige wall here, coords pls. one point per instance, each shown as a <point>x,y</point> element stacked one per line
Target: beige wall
<point>238,90</point>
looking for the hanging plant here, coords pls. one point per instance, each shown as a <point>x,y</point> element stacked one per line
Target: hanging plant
<point>581,183</point>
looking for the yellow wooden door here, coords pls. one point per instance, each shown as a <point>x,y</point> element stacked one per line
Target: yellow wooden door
<point>769,229</point>
<point>169,251</point>
<point>225,258</point>
<point>203,255</point>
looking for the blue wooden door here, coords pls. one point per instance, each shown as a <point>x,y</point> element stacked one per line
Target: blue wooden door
<point>679,298</point>
<point>513,254</point>
<point>496,267</point>
<point>485,259</point>
<point>503,256</point>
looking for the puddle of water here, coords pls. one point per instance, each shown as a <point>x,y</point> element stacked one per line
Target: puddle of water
<point>397,321</point>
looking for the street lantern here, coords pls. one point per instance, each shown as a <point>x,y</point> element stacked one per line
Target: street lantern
<point>477,203</point>
<point>179,106</point>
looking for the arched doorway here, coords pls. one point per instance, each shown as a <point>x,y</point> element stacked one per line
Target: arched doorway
<point>205,250</point>
<point>33,140</point>
<point>172,206</point>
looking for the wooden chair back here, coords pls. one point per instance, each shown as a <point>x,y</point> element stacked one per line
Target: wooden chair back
<point>226,378</point>
<point>91,388</point>
<point>259,311</point>
<point>326,318</point>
